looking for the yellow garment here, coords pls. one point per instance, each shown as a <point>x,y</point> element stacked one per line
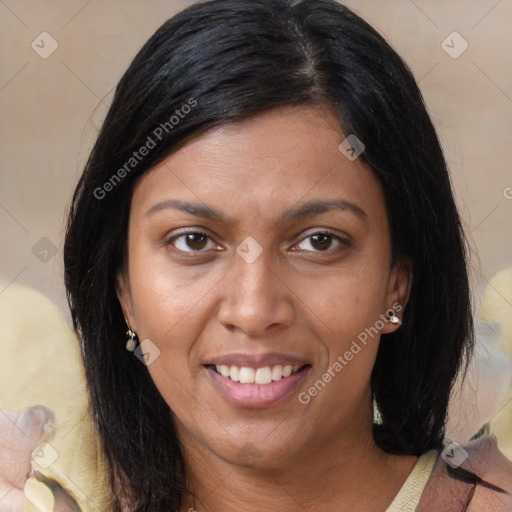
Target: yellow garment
<point>496,307</point>
<point>40,364</point>
<point>39,497</point>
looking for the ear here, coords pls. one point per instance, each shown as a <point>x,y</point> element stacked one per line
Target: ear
<point>124,294</point>
<point>399,290</point>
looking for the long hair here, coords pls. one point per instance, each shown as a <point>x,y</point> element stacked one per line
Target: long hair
<point>224,60</point>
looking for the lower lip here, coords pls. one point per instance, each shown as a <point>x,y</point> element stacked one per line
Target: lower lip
<point>257,395</point>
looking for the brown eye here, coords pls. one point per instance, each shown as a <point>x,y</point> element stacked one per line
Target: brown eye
<point>322,242</point>
<point>196,241</point>
<point>193,241</point>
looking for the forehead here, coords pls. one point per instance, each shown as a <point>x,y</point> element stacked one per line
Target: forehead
<point>263,164</point>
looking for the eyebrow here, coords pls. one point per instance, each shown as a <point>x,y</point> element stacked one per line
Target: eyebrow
<point>302,211</point>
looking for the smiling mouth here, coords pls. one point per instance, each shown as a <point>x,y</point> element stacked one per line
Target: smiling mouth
<point>261,375</point>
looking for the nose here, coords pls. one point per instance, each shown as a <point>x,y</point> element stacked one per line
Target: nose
<point>255,297</point>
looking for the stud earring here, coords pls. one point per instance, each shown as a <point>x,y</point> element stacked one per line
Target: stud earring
<point>131,343</point>
<point>395,320</point>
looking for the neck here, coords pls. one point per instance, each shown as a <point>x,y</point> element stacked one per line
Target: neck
<point>343,472</point>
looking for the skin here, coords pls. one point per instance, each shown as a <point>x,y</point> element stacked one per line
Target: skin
<point>20,434</point>
<point>301,297</point>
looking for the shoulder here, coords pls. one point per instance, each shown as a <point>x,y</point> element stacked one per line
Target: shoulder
<point>473,477</point>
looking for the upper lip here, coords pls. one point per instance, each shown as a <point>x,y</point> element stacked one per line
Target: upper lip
<point>257,360</point>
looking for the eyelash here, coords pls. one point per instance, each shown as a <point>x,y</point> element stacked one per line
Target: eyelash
<point>343,242</point>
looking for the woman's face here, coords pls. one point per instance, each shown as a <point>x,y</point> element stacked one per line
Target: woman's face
<point>235,258</point>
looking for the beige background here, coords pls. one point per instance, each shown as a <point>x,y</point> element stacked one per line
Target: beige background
<point>51,110</point>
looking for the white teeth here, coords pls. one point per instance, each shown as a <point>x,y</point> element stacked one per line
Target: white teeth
<point>277,372</point>
<point>247,375</point>
<point>234,372</point>
<point>263,375</point>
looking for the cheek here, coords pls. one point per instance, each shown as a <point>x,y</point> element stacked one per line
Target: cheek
<point>351,300</point>
<point>167,297</point>
<point>348,332</point>
<point>169,305</point>
<point>349,305</point>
